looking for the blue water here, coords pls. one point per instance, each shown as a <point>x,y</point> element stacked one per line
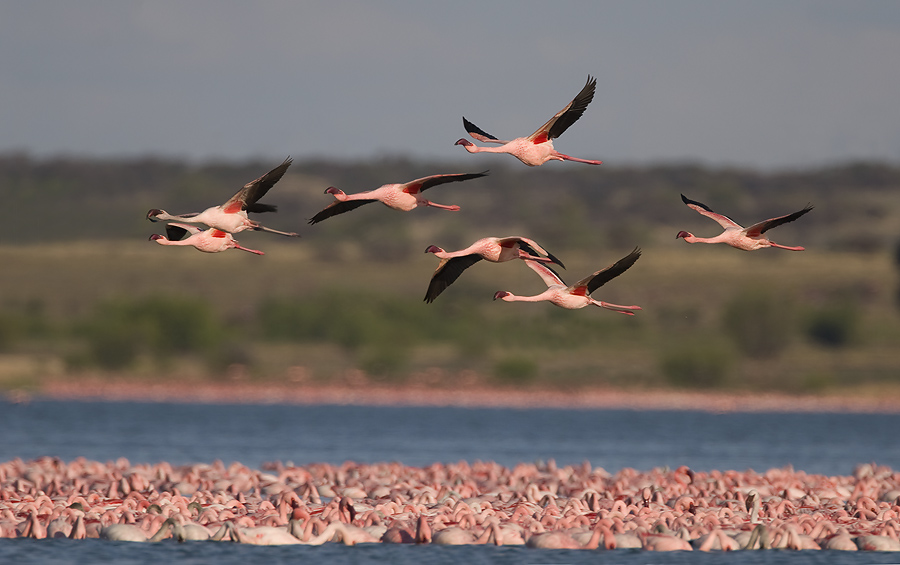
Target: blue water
<point>830,444</point>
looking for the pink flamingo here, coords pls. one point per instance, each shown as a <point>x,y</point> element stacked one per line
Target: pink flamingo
<point>493,249</point>
<point>208,241</point>
<point>232,216</point>
<point>405,197</point>
<point>537,148</point>
<point>748,239</point>
<point>577,295</point>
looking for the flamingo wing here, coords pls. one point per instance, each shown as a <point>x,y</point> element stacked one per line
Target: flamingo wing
<point>761,227</point>
<point>603,276</point>
<point>246,198</point>
<point>479,134</point>
<point>531,247</point>
<point>338,207</point>
<point>704,210</point>
<point>559,123</point>
<point>176,231</point>
<point>423,184</point>
<point>547,274</point>
<point>447,272</point>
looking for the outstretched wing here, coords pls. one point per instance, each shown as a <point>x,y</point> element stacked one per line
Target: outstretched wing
<point>245,198</point>
<point>761,227</point>
<point>338,207</point>
<point>603,276</point>
<point>559,123</point>
<point>531,247</point>
<point>479,134</point>
<point>423,184</point>
<point>547,274</point>
<point>176,231</point>
<point>703,209</point>
<point>447,272</point>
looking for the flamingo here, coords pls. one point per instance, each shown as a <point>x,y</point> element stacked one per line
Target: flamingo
<point>560,539</point>
<point>130,532</point>
<point>494,249</point>
<point>403,197</point>
<point>577,295</point>
<point>208,241</point>
<point>537,148</point>
<point>232,216</point>
<point>748,239</point>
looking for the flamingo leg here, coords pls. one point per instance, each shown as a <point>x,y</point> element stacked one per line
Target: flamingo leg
<point>249,250</point>
<point>627,310</point>
<point>270,230</point>
<point>564,157</point>
<point>452,208</point>
<point>787,247</point>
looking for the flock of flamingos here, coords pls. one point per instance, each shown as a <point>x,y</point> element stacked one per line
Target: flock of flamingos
<point>535,150</point>
<point>536,505</point>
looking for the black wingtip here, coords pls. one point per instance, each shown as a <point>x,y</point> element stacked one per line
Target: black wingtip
<point>688,201</point>
<point>555,260</point>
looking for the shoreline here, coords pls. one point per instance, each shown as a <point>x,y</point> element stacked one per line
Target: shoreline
<point>469,397</point>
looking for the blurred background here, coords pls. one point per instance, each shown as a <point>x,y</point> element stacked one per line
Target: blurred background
<point>756,109</point>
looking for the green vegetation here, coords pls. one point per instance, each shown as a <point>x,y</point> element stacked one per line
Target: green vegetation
<point>344,302</point>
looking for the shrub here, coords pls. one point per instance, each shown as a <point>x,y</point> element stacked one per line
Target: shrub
<point>515,370</point>
<point>119,330</point>
<point>833,325</point>
<point>697,363</point>
<point>758,322</point>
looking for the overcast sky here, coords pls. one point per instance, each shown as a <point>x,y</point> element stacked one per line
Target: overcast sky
<point>765,83</point>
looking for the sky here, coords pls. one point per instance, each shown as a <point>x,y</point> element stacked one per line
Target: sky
<point>765,84</point>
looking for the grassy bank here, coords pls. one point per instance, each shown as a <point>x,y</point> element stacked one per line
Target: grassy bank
<point>713,318</point>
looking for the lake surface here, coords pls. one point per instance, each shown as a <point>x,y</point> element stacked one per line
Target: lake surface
<point>831,444</point>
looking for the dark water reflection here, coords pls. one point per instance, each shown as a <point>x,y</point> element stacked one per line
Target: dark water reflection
<point>612,439</point>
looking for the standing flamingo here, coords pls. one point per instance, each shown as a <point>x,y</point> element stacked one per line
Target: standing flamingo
<point>232,216</point>
<point>208,241</point>
<point>403,197</point>
<point>748,239</point>
<point>494,249</point>
<point>577,295</point>
<point>537,148</point>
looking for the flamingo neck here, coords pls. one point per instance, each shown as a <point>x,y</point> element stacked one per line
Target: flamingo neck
<point>167,241</point>
<point>694,239</point>
<point>536,298</point>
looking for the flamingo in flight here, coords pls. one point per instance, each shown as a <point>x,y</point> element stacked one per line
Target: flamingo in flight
<point>208,241</point>
<point>537,148</point>
<point>494,249</point>
<point>403,197</point>
<point>232,216</point>
<point>577,295</point>
<point>748,239</point>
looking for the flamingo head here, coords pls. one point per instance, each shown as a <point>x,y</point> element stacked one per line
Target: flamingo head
<point>434,249</point>
<point>684,234</point>
<point>501,294</point>
<point>463,142</point>
<point>333,190</point>
<point>156,236</point>
<point>152,214</point>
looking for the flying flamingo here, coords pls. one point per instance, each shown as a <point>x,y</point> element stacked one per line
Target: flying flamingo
<point>537,148</point>
<point>577,295</point>
<point>403,197</point>
<point>494,249</point>
<point>232,216</point>
<point>208,241</point>
<point>748,239</point>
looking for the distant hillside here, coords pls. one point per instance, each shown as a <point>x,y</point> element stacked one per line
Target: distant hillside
<point>564,205</point>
